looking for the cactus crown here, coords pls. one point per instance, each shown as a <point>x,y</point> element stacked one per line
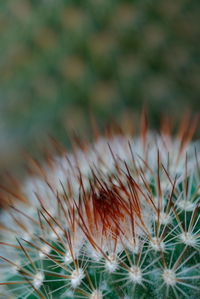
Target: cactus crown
<point>118,218</point>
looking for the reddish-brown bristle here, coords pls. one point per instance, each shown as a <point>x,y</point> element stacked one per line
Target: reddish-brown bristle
<point>105,207</point>
<point>144,125</point>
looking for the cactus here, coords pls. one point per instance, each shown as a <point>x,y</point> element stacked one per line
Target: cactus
<point>115,218</point>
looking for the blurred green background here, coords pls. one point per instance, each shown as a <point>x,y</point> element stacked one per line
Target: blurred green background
<point>60,59</point>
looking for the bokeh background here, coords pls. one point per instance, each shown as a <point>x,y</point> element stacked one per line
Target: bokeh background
<point>60,59</point>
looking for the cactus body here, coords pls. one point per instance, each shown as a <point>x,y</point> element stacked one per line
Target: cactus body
<point>118,218</point>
